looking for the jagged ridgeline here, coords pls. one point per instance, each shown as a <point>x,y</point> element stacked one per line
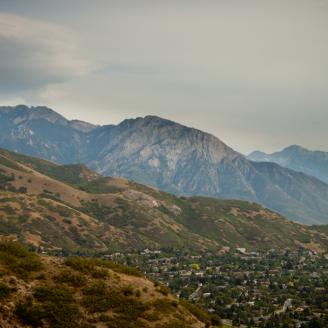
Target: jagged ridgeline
<point>83,292</point>
<point>165,155</point>
<point>72,209</point>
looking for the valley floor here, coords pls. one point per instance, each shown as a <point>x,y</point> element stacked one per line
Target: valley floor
<point>248,289</point>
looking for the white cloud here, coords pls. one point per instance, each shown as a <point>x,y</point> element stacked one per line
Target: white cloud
<point>252,72</point>
<point>35,53</point>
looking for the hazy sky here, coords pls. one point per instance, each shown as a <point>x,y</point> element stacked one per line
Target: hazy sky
<point>252,72</point>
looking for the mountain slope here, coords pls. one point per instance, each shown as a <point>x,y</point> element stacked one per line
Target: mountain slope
<point>79,292</point>
<point>165,155</point>
<point>297,158</point>
<point>161,153</point>
<point>71,209</point>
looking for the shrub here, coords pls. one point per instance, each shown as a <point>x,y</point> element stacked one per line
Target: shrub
<point>196,311</point>
<point>120,268</point>
<point>99,273</point>
<point>89,266</point>
<point>151,316</point>
<point>4,291</point>
<point>23,218</point>
<point>132,309</point>
<point>127,291</point>
<point>29,314</point>
<point>98,299</point>
<point>163,305</point>
<point>216,320</point>
<point>54,307</point>
<point>81,264</point>
<point>162,289</point>
<point>22,190</point>
<point>174,304</point>
<point>41,276</point>
<point>138,293</point>
<point>71,278</point>
<point>18,259</point>
<point>8,210</point>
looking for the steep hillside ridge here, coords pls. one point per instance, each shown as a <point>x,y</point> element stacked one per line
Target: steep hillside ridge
<point>74,210</point>
<point>297,158</point>
<point>80,292</point>
<point>165,155</point>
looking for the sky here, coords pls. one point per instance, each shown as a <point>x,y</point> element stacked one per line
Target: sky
<point>252,72</point>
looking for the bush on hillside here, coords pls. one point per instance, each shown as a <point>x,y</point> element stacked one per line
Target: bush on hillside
<point>18,259</point>
<point>89,266</point>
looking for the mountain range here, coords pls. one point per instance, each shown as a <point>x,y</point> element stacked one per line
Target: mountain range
<point>71,209</point>
<point>297,158</point>
<point>166,155</point>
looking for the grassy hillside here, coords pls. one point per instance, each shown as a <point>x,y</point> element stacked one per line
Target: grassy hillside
<point>74,209</point>
<point>80,292</point>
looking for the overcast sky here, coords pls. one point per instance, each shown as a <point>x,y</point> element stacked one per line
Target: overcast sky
<point>252,72</point>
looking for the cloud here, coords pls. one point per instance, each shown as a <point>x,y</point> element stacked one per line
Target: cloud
<point>35,53</point>
<point>253,72</point>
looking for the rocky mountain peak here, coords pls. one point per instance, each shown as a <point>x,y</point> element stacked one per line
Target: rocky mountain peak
<point>22,113</point>
<point>157,136</point>
<point>298,158</point>
<point>294,149</point>
<point>45,113</point>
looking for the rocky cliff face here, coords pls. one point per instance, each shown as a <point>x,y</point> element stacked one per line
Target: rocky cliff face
<point>166,155</point>
<point>161,153</point>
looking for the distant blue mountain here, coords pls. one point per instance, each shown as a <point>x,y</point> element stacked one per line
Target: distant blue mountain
<point>297,158</point>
